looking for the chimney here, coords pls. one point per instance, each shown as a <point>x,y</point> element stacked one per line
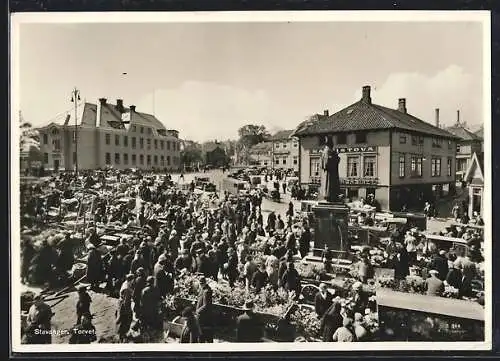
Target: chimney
<point>366,95</point>
<point>437,117</point>
<point>119,104</point>
<point>402,105</point>
<point>132,108</point>
<point>102,101</point>
<point>458,117</point>
<point>326,112</point>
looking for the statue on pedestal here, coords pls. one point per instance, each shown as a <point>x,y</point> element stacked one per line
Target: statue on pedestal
<point>330,183</point>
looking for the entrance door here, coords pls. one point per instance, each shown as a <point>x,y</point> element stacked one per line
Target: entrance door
<point>56,165</point>
<point>477,200</point>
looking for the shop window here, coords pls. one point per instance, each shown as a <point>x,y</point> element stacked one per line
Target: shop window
<point>117,158</point>
<point>314,167</point>
<point>117,140</point>
<point>435,167</point>
<point>402,165</point>
<point>369,166</point>
<point>125,141</point>
<point>108,158</point>
<point>133,143</point>
<point>342,138</point>
<point>125,159</point>
<point>352,166</point>
<point>134,159</point>
<point>360,137</point>
<point>352,193</point>
<point>108,139</point>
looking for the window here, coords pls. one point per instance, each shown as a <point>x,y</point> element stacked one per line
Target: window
<point>284,160</point>
<point>173,146</point>
<point>420,140</point>
<point>108,158</point>
<point>352,193</point>
<point>133,143</point>
<point>150,131</point>
<point>57,144</point>
<point>74,157</point>
<point>134,159</point>
<point>55,131</point>
<point>295,160</point>
<point>402,165</point>
<point>168,144</point>
<point>134,128</point>
<point>148,159</point>
<point>361,137</point>
<point>369,166</point>
<point>156,143</point>
<point>141,143</point>
<point>117,158</point>
<point>148,143</point>
<point>450,144</point>
<point>117,140</point>
<point>162,160</point>
<point>168,160</point>
<point>277,145</point>
<point>435,167</point>
<point>342,138</point>
<point>416,166</point>
<point>295,144</point>
<point>448,167</point>
<point>142,130</point>
<point>125,158</point>
<point>125,141</point>
<point>141,159</point>
<point>108,139</point>
<point>276,161</point>
<point>414,140</point>
<point>284,145</point>
<point>162,144</point>
<point>155,160</point>
<point>458,148</point>
<point>352,166</point>
<point>45,139</point>
<point>45,158</point>
<point>314,166</point>
<point>402,139</point>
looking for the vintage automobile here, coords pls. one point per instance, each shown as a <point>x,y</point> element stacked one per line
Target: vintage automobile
<point>233,186</point>
<point>200,182</point>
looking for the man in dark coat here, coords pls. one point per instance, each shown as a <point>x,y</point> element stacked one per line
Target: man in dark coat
<point>204,312</point>
<point>248,326</point>
<point>232,266</point>
<point>94,267</point>
<point>150,303</point>
<point>305,242</point>
<point>260,278</point>
<point>84,332</point>
<point>139,284</point>
<point>322,301</point>
<point>440,264</point>
<point>83,304</point>
<point>291,280</point>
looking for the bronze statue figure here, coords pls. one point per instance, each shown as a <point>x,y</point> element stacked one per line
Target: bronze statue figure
<point>330,182</point>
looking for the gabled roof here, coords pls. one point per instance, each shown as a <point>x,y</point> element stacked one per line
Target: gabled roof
<point>211,146</point>
<point>364,115</point>
<point>282,134</point>
<point>110,113</point>
<point>261,147</point>
<point>476,167</point>
<point>463,133</point>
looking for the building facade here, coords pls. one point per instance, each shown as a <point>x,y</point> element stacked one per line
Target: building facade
<point>285,150</point>
<point>109,135</point>
<point>468,144</point>
<point>261,154</point>
<point>474,177</point>
<point>399,158</point>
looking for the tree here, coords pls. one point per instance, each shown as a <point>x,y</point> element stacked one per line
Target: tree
<point>191,154</point>
<point>29,145</point>
<point>249,135</point>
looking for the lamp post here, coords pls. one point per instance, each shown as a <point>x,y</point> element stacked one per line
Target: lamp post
<point>75,97</point>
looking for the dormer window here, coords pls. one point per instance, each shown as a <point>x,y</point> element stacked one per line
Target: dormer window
<point>54,131</point>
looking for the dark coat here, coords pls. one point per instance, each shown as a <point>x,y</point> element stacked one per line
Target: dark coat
<point>94,267</point>
<point>440,264</point>
<point>321,304</point>
<point>249,328</point>
<point>330,322</point>
<point>204,307</point>
<point>454,278</point>
<point>123,317</point>
<point>259,280</point>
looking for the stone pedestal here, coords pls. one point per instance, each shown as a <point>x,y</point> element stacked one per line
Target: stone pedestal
<point>331,221</point>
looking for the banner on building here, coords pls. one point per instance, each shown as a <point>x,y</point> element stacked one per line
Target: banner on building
<point>361,149</point>
<point>358,181</point>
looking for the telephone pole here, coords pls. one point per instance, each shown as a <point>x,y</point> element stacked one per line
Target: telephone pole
<point>75,97</point>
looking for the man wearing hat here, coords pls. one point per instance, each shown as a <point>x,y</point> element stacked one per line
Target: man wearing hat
<point>95,269</point>
<point>322,301</point>
<point>139,285</point>
<point>248,326</point>
<point>440,263</point>
<point>231,266</point>
<point>150,303</point>
<point>435,287</point>
<point>204,311</point>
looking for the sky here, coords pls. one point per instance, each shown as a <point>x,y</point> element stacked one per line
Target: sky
<point>208,79</point>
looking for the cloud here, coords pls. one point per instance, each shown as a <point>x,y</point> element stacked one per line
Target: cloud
<point>207,111</point>
<point>450,89</point>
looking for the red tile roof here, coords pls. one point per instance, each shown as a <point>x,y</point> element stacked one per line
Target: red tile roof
<point>367,116</point>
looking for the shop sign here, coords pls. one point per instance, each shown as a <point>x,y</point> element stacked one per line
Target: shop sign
<point>358,181</point>
<point>361,149</point>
